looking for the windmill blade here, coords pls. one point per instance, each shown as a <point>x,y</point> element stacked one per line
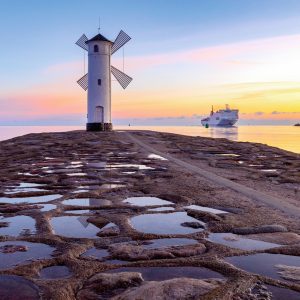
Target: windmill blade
<point>122,78</point>
<point>81,42</point>
<point>83,81</point>
<point>120,41</point>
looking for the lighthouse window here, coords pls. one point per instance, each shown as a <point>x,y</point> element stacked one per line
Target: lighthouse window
<point>96,49</point>
<point>99,81</point>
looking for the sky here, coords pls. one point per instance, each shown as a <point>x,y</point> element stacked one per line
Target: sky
<point>184,57</point>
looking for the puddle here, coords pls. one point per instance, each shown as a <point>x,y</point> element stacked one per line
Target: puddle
<point>172,242</point>
<point>23,190</point>
<point>269,170</point>
<point>74,166</point>
<point>264,263</point>
<point>205,208</point>
<point>19,225</point>
<point>34,251</point>
<point>87,202</point>
<point>80,191</point>
<point>77,174</point>
<point>47,207</point>
<point>55,272</point>
<point>97,165</point>
<point>164,223</point>
<point>23,185</point>
<point>147,201</point>
<point>165,208</point>
<point>96,253</point>
<point>236,241</point>
<point>32,199</point>
<point>155,156</point>
<point>14,287</point>
<point>140,167</point>
<point>111,186</point>
<point>165,273</point>
<point>228,154</point>
<point>28,174</point>
<point>128,173</point>
<point>76,162</point>
<point>78,212</point>
<point>253,165</point>
<point>282,293</point>
<point>73,226</point>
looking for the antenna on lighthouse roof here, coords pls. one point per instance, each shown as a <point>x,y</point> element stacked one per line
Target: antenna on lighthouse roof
<point>99,26</point>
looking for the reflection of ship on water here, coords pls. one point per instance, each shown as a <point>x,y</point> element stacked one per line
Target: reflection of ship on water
<point>223,117</point>
<point>230,133</point>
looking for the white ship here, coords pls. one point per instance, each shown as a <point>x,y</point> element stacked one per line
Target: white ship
<point>223,117</point>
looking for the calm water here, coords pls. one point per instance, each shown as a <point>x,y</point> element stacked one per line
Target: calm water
<point>285,137</point>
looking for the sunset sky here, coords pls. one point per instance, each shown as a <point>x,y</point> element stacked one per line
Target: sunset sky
<point>184,56</point>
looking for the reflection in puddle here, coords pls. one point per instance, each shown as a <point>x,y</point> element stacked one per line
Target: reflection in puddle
<point>165,208</point>
<point>208,209</point>
<point>269,170</point>
<point>73,226</point>
<point>165,273</point>
<point>32,199</point>
<point>236,241</point>
<point>55,272</point>
<point>33,251</point>
<point>87,202</point>
<point>164,223</point>
<point>172,242</point>
<point>96,253</point>
<point>19,225</point>
<point>264,263</point>
<point>17,288</point>
<point>155,156</point>
<point>146,201</point>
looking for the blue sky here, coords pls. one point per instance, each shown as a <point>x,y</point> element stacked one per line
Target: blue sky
<point>39,35</point>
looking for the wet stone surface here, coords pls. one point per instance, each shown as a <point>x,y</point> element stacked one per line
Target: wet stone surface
<point>65,244</point>
<point>96,253</point>
<point>172,242</point>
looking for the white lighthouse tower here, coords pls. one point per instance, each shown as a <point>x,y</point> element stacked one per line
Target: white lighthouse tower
<point>98,79</point>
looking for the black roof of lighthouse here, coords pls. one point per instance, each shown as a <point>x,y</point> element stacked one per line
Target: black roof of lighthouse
<point>98,37</point>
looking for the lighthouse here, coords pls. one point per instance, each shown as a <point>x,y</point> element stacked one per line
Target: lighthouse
<point>97,81</point>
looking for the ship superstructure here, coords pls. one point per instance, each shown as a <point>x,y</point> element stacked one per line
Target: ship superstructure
<point>223,117</point>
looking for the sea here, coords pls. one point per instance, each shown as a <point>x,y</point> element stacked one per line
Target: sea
<point>284,137</point>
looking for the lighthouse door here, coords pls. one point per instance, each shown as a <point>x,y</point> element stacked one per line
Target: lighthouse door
<point>99,115</point>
